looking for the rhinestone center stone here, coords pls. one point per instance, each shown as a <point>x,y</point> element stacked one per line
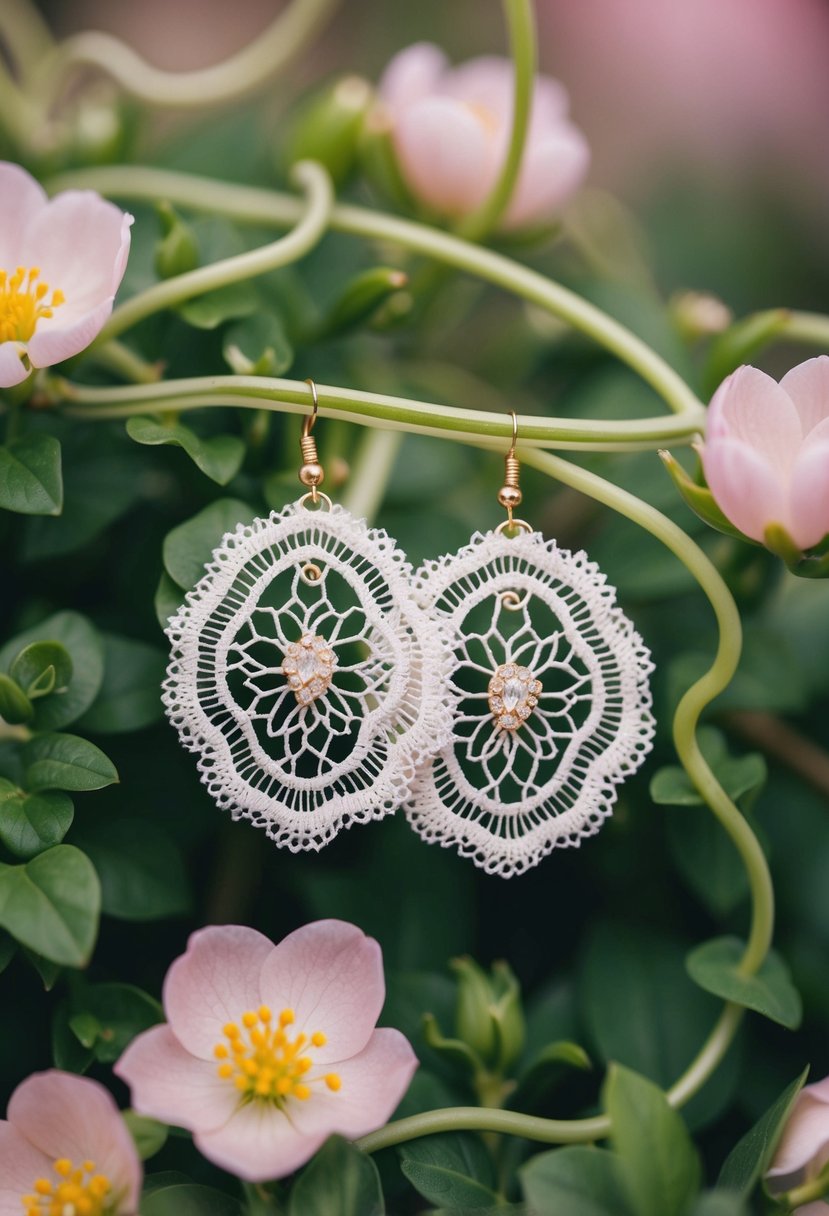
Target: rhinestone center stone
<point>308,666</point>
<point>513,694</point>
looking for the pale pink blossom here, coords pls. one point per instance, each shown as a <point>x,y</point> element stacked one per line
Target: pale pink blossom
<point>804,1148</point>
<point>64,1141</point>
<point>766,453</point>
<point>268,1050</point>
<point>61,262</point>
<point>451,127</point>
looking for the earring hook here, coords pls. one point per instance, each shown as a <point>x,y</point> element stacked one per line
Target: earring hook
<point>514,417</point>
<point>308,424</point>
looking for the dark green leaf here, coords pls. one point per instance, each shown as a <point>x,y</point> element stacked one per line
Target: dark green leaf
<point>66,762</point>
<point>49,972</point>
<point>15,706</point>
<point>8,949</point>
<point>85,1028</point>
<point>577,1181</point>
<point>452,1169</point>
<point>361,299</point>
<point>130,695</point>
<point>116,1013</point>
<point>81,640</point>
<point>659,1165</point>
<point>219,457</point>
<point>714,966</point>
<point>189,547</point>
<point>719,1203</point>
<point>545,1069</point>
<point>339,1181</point>
<point>67,1052</point>
<point>738,776</point>
<point>52,904</point>
<point>168,599</point>
<point>189,1199</point>
<point>31,482</point>
<point>30,823</point>
<point>140,867</point>
<point>258,346</point>
<point>41,668</point>
<point>223,304</point>
<point>149,1135</point>
<point>751,1157</point>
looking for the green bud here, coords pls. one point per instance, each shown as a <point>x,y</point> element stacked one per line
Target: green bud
<point>474,1011</point>
<point>328,126</point>
<point>453,1050</point>
<point>42,668</point>
<point>178,250</point>
<point>507,1015</point>
<point>363,297</point>
<point>15,706</point>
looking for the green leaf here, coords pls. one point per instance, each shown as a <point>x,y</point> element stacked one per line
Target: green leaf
<point>130,695</point>
<point>140,867</point>
<point>452,1169</point>
<point>115,1014</point>
<point>8,949</point>
<point>224,304</point>
<point>748,1161</point>
<point>67,1052</point>
<point>30,823</point>
<point>339,1181</point>
<point>739,776</point>
<point>52,904</point>
<point>66,762</point>
<point>42,668</point>
<point>577,1181</point>
<point>659,1166</point>
<point>15,706</point>
<point>719,1203</point>
<point>219,457</point>
<point>81,640</point>
<point>258,346</point>
<point>149,1135</point>
<point>85,1028</point>
<point>168,599</point>
<point>189,547</point>
<point>31,482</point>
<point>714,966</point>
<point>189,1199</point>
<point>545,1069</point>
<point>360,300</point>
<point>49,972</point>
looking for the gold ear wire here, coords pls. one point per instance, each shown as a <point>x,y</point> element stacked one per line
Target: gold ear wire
<point>510,496</point>
<point>312,473</point>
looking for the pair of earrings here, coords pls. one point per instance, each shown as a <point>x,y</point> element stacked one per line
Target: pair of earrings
<point>499,695</point>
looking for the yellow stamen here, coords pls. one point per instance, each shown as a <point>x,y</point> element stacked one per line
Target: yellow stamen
<point>76,1190</point>
<point>23,302</point>
<point>318,1039</point>
<point>265,1063</point>
<point>333,1081</point>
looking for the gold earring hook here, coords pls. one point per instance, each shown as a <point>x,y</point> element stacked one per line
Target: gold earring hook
<point>509,496</point>
<point>311,474</point>
<point>308,424</point>
<point>514,417</point>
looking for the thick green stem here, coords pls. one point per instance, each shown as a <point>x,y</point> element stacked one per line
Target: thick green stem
<point>269,207</point>
<point>371,471</point>
<point>312,225</point>
<point>810,328</point>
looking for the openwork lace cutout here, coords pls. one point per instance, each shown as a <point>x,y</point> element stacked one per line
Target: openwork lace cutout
<point>297,676</point>
<point>550,697</point>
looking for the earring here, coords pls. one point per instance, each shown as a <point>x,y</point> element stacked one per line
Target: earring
<point>296,673</point>
<point>549,693</point>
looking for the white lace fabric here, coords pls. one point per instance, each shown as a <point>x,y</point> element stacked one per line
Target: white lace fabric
<point>526,613</point>
<point>304,771</point>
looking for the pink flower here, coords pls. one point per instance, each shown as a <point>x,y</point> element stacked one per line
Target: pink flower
<point>61,261</point>
<point>271,1049</point>
<point>451,127</point>
<point>65,1148</point>
<point>766,455</point>
<point>804,1149</point>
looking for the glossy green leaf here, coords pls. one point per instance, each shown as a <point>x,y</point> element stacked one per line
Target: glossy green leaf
<point>714,966</point>
<point>115,1014</point>
<point>52,904</point>
<point>189,547</point>
<point>258,346</point>
<point>576,1181</point>
<point>339,1181</point>
<point>31,481</point>
<point>130,695</point>
<point>15,706</point>
<point>226,303</point>
<point>68,1053</point>
<point>189,1199</point>
<point>66,762</point>
<point>30,823</point>
<point>149,1136</point>
<point>219,457</point>
<point>48,971</point>
<point>546,1069</point>
<point>42,668</point>
<point>659,1166</point>
<point>452,1170</point>
<point>140,867</point>
<point>748,1161</point>
<point>79,637</point>
<point>738,775</point>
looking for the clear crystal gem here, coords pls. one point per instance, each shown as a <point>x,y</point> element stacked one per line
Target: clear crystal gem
<point>513,695</point>
<point>308,666</point>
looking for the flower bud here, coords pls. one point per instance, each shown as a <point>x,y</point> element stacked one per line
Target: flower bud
<point>178,250</point>
<point>489,1015</point>
<point>327,128</point>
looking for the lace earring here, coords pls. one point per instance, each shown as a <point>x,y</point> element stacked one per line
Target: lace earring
<point>297,675</point>
<point>549,694</point>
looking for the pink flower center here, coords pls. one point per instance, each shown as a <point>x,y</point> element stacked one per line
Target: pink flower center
<point>74,1190</point>
<point>24,302</point>
<point>513,695</point>
<point>265,1063</point>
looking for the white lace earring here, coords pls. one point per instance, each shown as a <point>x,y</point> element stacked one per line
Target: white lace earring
<point>297,672</point>
<point>549,694</point>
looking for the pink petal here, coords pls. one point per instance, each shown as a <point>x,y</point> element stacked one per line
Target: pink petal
<point>52,343</point>
<point>747,488</point>
<point>553,169</point>
<point>752,407</point>
<point>258,1144</point>
<point>80,243</point>
<point>811,1209</point>
<point>412,75</point>
<point>68,1116</point>
<point>168,1083</point>
<point>444,153</point>
<point>213,983</point>
<point>12,368</point>
<point>21,1164</point>
<point>806,1138</point>
<point>809,493</point>
<point>487,82</point>
<point>808,386</point>
<point>373,1085</point>
<point>21,198</point>
<point>331,975</point>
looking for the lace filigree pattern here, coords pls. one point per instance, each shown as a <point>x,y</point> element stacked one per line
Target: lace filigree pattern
<point>551,704</point>
<point>297,675</point>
